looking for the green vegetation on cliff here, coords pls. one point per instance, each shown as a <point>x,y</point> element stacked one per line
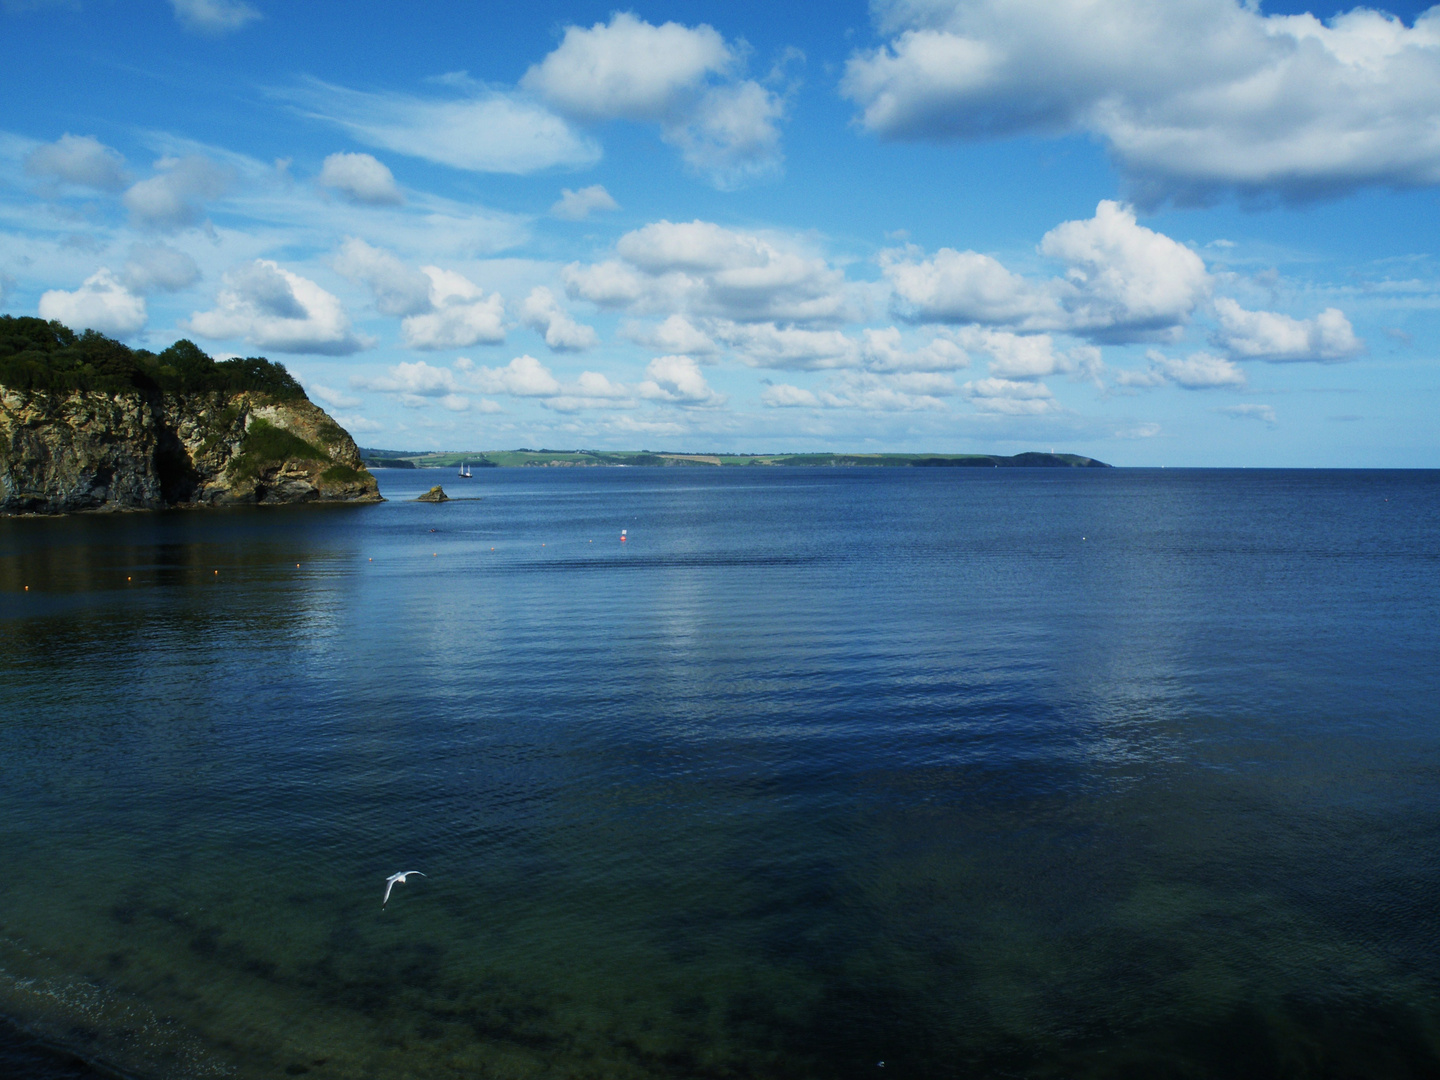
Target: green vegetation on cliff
<point>265,445</point>
<point>87,423</point>
<point>50,357</point>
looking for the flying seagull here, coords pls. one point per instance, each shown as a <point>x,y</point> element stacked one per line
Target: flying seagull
<point>392,879</point>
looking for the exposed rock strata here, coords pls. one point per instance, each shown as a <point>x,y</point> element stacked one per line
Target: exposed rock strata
<point>142,449</point>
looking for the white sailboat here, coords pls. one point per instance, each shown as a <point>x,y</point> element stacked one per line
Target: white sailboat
<point>464,471</point>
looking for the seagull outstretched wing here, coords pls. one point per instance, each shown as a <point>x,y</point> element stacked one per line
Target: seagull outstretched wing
<point>393,878</point>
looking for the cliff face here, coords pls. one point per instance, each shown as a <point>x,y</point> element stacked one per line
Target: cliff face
<point>139,449</point>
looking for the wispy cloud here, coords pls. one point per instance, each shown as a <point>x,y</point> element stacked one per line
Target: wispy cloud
<point>1264,413</point>
<point>214,17</point>
<point>488,131</point>
<point>684,78</point>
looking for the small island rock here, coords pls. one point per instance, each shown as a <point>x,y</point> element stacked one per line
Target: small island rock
<point>435,494</point>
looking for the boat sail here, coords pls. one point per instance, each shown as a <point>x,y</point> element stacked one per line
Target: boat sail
<point>464,471</point>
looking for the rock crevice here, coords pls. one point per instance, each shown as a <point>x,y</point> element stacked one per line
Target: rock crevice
<point>89,450</point>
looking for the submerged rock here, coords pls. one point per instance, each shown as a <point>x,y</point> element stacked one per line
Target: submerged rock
<point>435,494</point>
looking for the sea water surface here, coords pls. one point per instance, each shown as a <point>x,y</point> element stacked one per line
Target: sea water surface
<point>817,773</point>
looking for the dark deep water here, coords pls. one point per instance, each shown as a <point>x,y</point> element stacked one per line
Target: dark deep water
<point>1007,773</point>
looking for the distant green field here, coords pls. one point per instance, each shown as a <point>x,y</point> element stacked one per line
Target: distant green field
<point>478,459</point>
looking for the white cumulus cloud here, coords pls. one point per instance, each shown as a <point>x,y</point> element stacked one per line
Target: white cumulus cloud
<point>1019,356</point>
<point>1010,397</point>
<point>784,396</point>
<point>337,399</point>
<point>80,160</point>
<point>732,134</point>
<point>1264,413</point>
<point>870,392</point>
<point>628,69</point>
<point>1192,97</point>
<point>353,422</point>
<point>415,379</point>
<point>866,391</point>
<point>793,348</point>
<point>460,314</point>
<point>398,289</point>
<point>683,78</point>
<point>678,380</point>
<point>102,303</point>
<point>1198,371</point>
<point>542,313</point>
<point>968,287</point>
<point>592,390</point>
<point>361,178</point>
<point>882,351</point>
<point>172,199</point>
<point>1122,282</point>
<point>270,307</point>
<point>675,334</point>
<point>524,376</point>
<point>158,267</point>
<point>698,268</point>
<point>579,205</point>
<point>1266,335</point>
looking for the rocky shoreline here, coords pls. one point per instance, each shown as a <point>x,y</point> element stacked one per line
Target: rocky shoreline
<point>96,448</point>
<point>98,452</point>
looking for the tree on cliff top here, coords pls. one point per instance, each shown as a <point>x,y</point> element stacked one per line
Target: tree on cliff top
<point>49,356</point>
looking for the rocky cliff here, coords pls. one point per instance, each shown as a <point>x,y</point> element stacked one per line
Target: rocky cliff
<point>88,438</point>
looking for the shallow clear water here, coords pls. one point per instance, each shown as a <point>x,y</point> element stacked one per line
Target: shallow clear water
<point>973,772</point>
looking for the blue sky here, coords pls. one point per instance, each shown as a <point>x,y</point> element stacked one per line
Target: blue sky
<point>1190,233</point>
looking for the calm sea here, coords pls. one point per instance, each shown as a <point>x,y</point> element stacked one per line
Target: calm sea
<point>819,773</point>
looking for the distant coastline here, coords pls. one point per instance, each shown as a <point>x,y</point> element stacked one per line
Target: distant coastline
<point>526,457</point>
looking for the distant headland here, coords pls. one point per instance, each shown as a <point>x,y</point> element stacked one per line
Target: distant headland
<point>525,457</point>
<point>89,424</point>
